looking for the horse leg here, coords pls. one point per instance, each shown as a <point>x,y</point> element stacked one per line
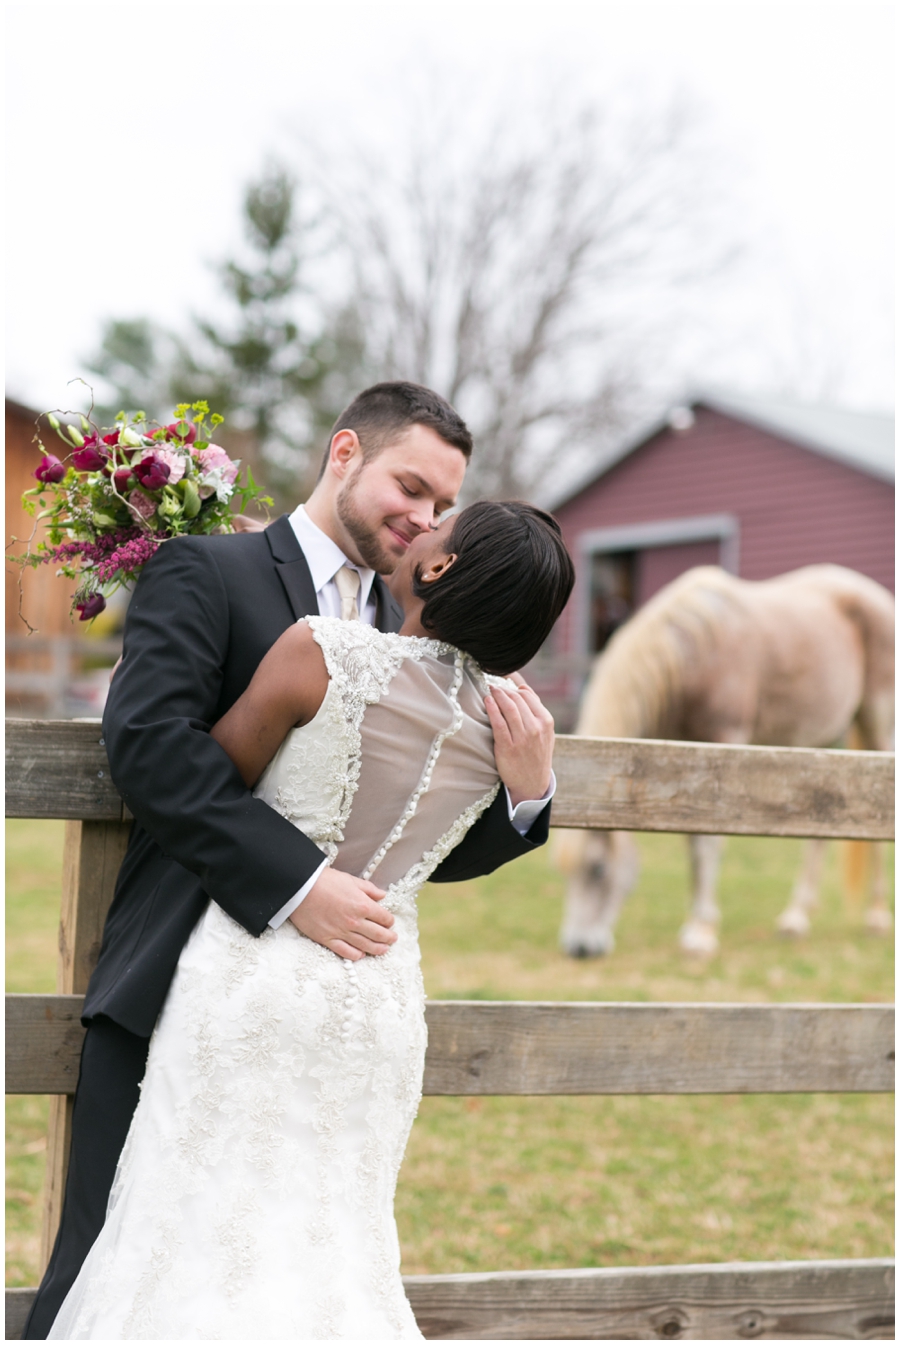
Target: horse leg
<point>700,934</point>
<point>794,919</point>
<point>878,916</point>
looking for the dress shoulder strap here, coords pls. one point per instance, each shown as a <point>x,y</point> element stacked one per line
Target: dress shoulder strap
<point>361,661</point>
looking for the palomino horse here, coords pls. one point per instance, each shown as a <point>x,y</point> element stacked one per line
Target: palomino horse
<point>803,660</point>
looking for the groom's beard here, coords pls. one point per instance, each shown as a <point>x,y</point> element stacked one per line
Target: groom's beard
<point>372,550</point>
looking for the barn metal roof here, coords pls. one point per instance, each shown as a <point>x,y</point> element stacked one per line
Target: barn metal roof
<point>861,439</point>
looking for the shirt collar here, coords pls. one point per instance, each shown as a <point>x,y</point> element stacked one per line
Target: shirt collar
<point>324,557</point>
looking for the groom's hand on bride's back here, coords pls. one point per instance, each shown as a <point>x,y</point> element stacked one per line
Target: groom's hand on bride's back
<point>343,914</point>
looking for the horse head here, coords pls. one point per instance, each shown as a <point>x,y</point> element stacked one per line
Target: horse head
<point>602,868</point>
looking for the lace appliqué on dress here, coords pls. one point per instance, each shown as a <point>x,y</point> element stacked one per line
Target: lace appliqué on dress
<point>254,1198</point>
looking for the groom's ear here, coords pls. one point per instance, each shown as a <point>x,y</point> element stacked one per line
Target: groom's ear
<point>435,568</point>
<point>344,451</point>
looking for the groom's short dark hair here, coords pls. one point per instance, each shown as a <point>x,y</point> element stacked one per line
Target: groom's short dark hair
<point>380,414</point>
<point>511,580</point>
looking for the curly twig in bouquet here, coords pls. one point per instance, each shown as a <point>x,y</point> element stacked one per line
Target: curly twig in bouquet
<point>121,492</point>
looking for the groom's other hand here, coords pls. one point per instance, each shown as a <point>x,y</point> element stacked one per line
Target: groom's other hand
<point>523,740</point>
<point>343,914</point>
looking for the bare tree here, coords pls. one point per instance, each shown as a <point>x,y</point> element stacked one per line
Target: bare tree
<point>528,274</point>
<point>539,271</point>
<point>279,359</point>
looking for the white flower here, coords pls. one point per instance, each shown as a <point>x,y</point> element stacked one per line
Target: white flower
<point>214,483</point>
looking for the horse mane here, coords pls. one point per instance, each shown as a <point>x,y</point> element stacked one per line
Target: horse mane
<point>636,687</point>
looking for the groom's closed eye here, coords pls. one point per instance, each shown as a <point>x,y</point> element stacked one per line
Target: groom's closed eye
<point>415,485</point>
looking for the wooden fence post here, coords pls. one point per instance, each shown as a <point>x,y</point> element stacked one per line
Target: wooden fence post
<point>92,855</point>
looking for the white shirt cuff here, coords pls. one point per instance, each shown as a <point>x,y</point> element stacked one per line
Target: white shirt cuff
<point>290,906</point>
<point>526,813</point>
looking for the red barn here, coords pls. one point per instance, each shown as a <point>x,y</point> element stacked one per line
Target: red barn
<point>49,672</point>
<point>757,485</point>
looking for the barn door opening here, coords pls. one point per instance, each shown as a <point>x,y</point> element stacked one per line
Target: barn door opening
<point>612,596</point>
<point>659,565</point>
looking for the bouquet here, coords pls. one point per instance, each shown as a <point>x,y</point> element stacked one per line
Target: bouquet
<point>121,491</point>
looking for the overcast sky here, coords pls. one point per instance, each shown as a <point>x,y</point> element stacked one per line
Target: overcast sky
<point>132,128</point>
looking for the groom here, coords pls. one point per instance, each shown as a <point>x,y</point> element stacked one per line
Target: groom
<point>204,613</point>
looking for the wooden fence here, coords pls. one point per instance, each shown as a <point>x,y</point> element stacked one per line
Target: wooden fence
<point>60,770</point>
<point>46,674</point>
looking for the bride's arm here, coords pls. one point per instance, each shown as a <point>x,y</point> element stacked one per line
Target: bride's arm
<point>287,689</point>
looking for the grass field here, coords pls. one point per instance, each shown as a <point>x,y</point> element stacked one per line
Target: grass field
<point>504,1183</point>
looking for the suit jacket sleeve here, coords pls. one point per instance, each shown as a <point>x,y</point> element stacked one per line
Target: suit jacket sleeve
<point>492,841</point>
<point>178,782</point>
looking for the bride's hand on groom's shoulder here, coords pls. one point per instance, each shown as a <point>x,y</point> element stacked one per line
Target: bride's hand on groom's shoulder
<point>343,914</point>
<point>523,740</point>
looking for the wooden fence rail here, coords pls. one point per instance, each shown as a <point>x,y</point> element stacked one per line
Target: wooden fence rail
<point>60,770</point>
<point>757,1300</point>
<point>534,1049</point>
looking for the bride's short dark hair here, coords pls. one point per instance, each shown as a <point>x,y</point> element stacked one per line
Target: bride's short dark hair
<point>512,578</point>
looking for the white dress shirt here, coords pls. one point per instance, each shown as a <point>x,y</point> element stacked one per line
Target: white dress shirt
<point>324,558</point>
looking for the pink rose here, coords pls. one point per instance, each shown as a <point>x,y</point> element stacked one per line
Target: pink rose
<point>173,460</point>
<point>213,458</point>
<point>141,504</point>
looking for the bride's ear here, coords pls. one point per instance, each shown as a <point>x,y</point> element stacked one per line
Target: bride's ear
<point>435,568</point>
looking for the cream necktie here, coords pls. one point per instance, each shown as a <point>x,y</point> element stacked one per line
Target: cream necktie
<point>348,581</point>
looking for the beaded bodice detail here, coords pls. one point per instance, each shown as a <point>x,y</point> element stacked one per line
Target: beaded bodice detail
<point>254,1197</point>
<point>403,751</point>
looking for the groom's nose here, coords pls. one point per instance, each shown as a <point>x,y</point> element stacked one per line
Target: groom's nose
<point>422,515</point>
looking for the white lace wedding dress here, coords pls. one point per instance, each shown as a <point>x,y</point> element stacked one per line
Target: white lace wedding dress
<point>254,1196</point>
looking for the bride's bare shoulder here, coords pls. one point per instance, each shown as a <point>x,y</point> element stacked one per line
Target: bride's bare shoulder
<point>286,690</point>
<point>295,667</point>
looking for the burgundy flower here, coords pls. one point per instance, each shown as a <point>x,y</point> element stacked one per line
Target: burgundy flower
<point>111,438</point>
<point>152,473</point>
<point>127,558</point>
<point>173,431</point>
<point>175,461</point>
<point>49,469</point>
<point>90,607</point>
<point>89,458</point>
<point>121,477</point>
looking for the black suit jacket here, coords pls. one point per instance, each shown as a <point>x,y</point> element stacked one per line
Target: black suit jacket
<point>204,613</point>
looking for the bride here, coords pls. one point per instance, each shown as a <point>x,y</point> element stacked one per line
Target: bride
<point>254,1197</point>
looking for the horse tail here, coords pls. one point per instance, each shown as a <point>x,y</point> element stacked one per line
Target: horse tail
<point>855,856</point>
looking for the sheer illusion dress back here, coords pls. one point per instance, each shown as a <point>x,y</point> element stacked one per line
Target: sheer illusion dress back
<point>424,757</point>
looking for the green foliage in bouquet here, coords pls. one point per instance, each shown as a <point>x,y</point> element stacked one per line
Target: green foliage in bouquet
<point>121,491</point>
